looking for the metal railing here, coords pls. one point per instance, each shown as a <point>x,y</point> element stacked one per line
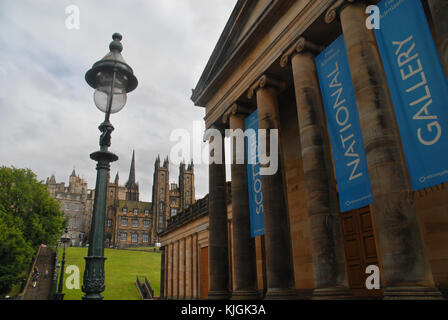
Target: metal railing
<point>144,288</point>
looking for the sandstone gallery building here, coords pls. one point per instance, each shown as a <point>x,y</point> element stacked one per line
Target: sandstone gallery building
<point>362,120</point>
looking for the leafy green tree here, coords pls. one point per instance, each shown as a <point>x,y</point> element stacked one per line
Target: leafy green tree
<point>28,217</point>
<point>15,254</point>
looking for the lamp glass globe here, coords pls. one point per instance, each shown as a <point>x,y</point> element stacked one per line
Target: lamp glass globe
<point>102,92</point>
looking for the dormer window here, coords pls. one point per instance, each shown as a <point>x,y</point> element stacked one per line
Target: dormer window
<point>146,212</point>
<point>135,211</point>
<point>125,210</point>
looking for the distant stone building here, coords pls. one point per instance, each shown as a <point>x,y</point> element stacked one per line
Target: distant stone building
<point>76,201</point>
<point>168,199</point>
<point>128,220</point>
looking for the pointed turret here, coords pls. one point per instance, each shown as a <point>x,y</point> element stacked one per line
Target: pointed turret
<point>157,163</point>
<point>131,180</point>
<point>52,179</point>
<point>191,166</point>
<point>73,173</point>
<point>131,185</point>
<point>117,178</point>
<point>166,162</point>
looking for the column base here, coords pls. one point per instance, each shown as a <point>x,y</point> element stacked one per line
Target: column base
<point>281,294</point>
<point>219,295</point>
<point>92,296</point>
<point>412,293</point>
<point>332,293</point>
<point>245,295</point>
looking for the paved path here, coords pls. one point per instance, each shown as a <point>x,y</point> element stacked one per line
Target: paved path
<point>42,291</point>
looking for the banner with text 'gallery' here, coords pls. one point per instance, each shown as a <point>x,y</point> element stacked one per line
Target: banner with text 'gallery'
<point>343,126</point>
<point>254,176</point>
<point>418,87</point>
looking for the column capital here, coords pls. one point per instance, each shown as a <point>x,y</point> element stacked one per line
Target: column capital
<point>235,110</point>
<point>265,82</point>
<point>302,45</point>
<point>334,10</point>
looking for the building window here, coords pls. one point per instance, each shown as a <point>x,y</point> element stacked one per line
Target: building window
<point>161,221</point>
<point>145,238</point>
<point>136,211</point>
<point>123,236</point>
<point>75,222</point>
<point>188,194</point>
<point>109,223</point>
<point>146,212</point>
<point>67,206</point>
<point>146,223</point>
<point>134,237</point>
<point>173,201</point>
<point>135,222</point>
<point>173,212</point>
<point>162,207</point>
<point>125,210</point>
<point>124,222</point>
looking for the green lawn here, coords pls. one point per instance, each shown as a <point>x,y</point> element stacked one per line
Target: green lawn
<point>122,267</point>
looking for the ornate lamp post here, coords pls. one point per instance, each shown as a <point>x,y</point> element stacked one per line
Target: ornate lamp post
<point>64,240</point>
<point>112,78</point>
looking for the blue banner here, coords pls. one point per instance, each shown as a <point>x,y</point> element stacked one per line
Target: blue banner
<point>254,176</point>
<point>344,127</point>
<point>418,87</point>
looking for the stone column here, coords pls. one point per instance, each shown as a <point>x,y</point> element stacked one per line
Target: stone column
<point>405,263</point>
<point>439,13</point>
<point>244,265</point>
<point>330,275</point>
<point>279,268</point>
<point>188,267</point>
<point>218,251</point>
<point>182,268</point>
<point>195,266</point>
<point>162,272</point>
<point>170,272</point>
<point>176,270</point>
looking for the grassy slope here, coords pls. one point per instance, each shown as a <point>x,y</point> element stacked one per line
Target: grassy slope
<point>122,267</point>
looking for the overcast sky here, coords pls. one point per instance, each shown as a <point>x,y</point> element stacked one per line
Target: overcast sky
<point>48,121</point>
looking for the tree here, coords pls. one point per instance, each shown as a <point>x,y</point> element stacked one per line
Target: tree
<point>15,254</point>
<point>28,218</point>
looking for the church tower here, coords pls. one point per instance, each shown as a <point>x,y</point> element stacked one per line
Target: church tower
<point>160,195</point>
<point>186,185</point>
<point>132,193</point>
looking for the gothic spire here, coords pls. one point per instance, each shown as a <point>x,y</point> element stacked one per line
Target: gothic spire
<point>131,180</point>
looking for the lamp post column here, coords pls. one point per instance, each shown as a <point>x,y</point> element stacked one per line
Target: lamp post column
<point>93,283</point>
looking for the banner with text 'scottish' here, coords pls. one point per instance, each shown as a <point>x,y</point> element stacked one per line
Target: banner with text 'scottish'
<point>418,87</point>
<point>254,176</point>
<point>343,126</point>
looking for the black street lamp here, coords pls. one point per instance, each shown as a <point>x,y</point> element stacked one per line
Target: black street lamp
<point>112,78</point>
<point>60,295</point>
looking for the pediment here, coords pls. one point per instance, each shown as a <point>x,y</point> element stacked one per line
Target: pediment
<point>244,17</point>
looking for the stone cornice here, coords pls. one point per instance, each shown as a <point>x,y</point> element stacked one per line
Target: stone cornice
<point>302,45</point>
<point>265,82</point>
<point>305,17</point>
<point>220,64</point>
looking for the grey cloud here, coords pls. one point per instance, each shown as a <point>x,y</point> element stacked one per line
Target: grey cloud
<point>48,121</point>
